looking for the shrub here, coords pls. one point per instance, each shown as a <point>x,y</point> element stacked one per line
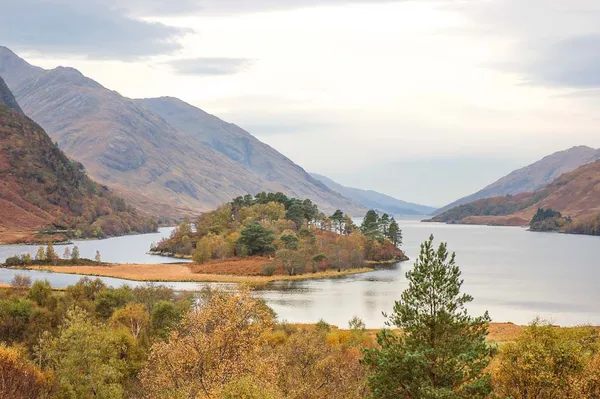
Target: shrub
<point>14,261</point>
<point>268,269</point>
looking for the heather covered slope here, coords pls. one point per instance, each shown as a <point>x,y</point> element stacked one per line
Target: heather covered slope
<point>374,200</point>
<point>575,194</point>
<point>44,195</point>
<point>533,177</point>
<point>155,163</point>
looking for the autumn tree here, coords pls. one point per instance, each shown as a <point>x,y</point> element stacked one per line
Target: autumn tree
<point>20,282</point>
<point>97,258</point>
<point>50,254</point>
<point>67,253</point>
<point>40,255</point>
<point>546,362</point>
<point>442,352</point>
<point>292,261</point>
<point>134,317</point>
<point>84,358</point>
<point>75,253</point>
<point>19,378</point>
<point>213,346</point>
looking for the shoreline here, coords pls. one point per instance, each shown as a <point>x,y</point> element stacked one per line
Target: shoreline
<point>181,273</point>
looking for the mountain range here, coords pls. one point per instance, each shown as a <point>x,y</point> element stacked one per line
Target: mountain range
<point>162,155</point>
<point>44,195</point>
<point>575,194</point>
<point>532,177</point>
<point>374,200</point>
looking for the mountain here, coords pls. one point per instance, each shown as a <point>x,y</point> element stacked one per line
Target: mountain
<point>575,194</point>
<point>44,195</point>
<point>162,155</point>
<point>374,200</point>
<point>534,176</point>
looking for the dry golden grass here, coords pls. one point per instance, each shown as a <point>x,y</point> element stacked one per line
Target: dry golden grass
<point>183,273</point>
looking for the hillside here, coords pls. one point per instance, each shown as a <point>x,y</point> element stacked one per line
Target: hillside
<point>374,200</point>
<point>575,194</point>
<point>169,166</point>
<point>44,195</point>
<point>533,177</point>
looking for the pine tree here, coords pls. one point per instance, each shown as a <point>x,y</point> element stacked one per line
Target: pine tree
<point>442,352</point>
<point>394,234</point>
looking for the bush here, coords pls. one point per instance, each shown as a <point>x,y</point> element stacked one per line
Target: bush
<point>14,261</point>
<point>21,281</point>
<point>268,269</point>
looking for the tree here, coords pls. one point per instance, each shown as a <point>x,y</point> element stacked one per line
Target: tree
<point>134,317</point>
<point>97,258</point>
<point>370,225</point>
<point>257,239</point>
<point>213,346</point>
<point>394,233</point>
<point>67,253</point>
<point>292,261</point>
<point>75,253</point>
<point>546,363</point>
<point>442,352</point>
<point>21,282</point>
<point>164,317</point>
<point>338,219</point>
<point>384,224</point>
<point>85,358</point>
<point>50,255</point>
<point>19,378</point>
<point>40,292</point>
<point>349,226</point>
<point>40,255</point>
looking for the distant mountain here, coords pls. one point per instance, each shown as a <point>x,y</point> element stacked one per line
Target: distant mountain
<point>162,155</point>
<point>43,194</point>
<point>534,176</point>
<point>374,200</point>
<point>575,194</point>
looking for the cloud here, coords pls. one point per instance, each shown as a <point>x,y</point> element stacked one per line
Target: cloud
<point>573,62</point>
<point>179,7</point>
<point>555,43</point>
<point>83,28</point>
<point>207,66</point>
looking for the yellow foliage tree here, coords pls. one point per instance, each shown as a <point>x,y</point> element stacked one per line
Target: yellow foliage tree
<point>19,379</point>
<point>214,346</point>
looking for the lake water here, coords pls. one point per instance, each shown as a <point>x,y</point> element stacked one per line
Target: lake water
<point>514,274</point>
<point>126,249</point>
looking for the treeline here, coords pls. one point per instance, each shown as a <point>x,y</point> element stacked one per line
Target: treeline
<point>293,233</point>
<point>148,342</point>
<point>48,256</point>
<point>552,220</point>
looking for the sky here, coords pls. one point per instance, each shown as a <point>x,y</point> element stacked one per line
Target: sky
<point>426,100</point>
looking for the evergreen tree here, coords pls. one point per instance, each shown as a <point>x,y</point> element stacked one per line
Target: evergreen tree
<point>370,225</point>
<point>384,224</point>
<point>394,234</point>
<point>442,353</point>
<point>257,239</point>
<point>338,219</point>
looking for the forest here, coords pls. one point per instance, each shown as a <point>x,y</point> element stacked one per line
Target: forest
<point>292,235</point>
<point>93,341</point>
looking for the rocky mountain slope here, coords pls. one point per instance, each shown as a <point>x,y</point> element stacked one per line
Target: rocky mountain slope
<point>575,194</point>
<point>534,176</point>
<point>374,200</point>
<point>162,155</point>
<point>44,195</point>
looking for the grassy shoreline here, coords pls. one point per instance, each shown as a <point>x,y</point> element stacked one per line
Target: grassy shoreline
<point>182,273</point>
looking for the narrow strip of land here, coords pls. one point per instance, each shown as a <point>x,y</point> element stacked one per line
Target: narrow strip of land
<point>184,273</point>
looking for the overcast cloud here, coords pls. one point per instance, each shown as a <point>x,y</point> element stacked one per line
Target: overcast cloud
<point>440,97</point>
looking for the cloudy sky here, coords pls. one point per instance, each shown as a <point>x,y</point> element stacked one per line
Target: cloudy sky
<point>425,100</point>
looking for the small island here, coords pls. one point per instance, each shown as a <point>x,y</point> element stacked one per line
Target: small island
<point>272,235</point>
